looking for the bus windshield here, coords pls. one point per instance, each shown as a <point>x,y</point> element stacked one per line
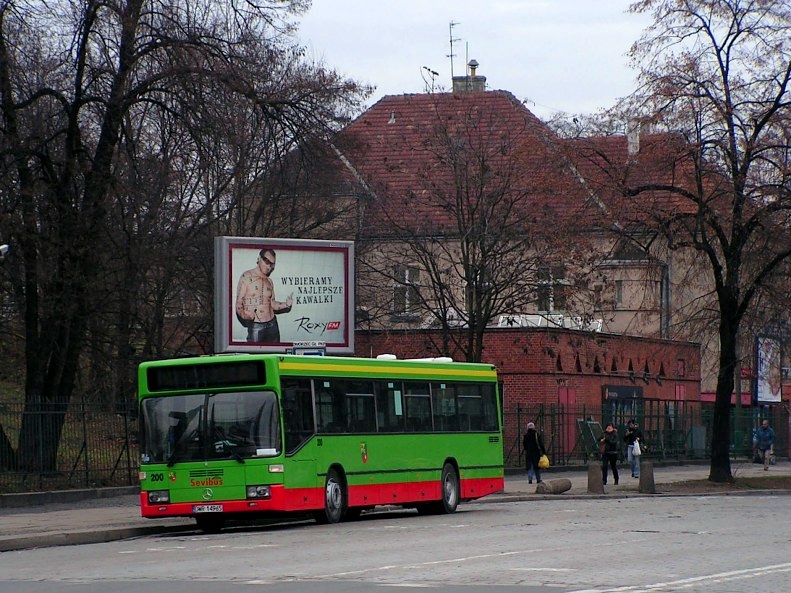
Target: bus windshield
<point>199,427</point>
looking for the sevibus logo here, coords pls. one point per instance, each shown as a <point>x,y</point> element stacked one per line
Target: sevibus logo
<point>206,482</point>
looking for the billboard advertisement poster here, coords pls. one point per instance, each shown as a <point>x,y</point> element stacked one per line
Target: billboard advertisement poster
<point>273,293</point>
<point>768,380</point>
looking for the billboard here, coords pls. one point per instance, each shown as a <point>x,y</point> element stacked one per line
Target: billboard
<point>273,293</point>
<point>769,376</point>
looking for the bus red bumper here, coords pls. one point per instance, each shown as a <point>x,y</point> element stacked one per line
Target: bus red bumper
<point>279,501</point>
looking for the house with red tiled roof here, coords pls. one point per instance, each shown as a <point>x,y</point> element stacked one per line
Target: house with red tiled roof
<point>469,199</point>
<point>475,213</point>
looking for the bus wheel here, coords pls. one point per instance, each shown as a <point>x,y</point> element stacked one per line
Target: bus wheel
<point>450,489</point>
<point>210,523</point>
<point>334,499</point>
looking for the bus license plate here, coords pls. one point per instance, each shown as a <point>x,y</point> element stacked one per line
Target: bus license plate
<point>207,508</point>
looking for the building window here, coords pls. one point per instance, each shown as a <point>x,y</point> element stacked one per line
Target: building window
<point>552,288</point>
<point>619,296</point>
<point>406,298</point>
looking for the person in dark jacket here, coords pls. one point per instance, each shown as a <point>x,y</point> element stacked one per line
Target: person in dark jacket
<point>633,435</point>
<point>764,440</point>
<point>608,447</point>
<point>533,446</point>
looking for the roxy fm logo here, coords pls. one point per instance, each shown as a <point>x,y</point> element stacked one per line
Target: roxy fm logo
<point>316,327</point>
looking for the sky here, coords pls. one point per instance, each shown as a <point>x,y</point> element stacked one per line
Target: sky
<point>555,55</point>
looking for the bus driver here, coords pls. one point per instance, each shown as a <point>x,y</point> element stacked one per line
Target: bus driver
<point>256,306</point>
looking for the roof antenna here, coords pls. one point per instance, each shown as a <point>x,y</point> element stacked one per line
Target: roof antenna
<point>432,74</point>
<point>451,55</point>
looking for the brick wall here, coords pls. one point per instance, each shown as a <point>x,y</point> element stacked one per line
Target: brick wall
<point>539,365</point>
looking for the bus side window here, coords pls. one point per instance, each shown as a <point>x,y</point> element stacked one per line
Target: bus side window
<point>297,412</point>
<point>477,407</point>
<point>470,412</point>
<point>491,418</point>
<point>446,417</point>
<point>389,406</point>
<point>417,400</point>
<point>361,413</point>
<point>330,411</point>
<point>359,405</point>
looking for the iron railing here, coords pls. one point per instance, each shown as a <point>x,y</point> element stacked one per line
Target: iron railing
<point>671,429</point>
<point>92,447</point>
<point>98,448</point>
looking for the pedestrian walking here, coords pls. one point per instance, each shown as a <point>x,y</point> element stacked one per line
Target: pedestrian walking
<point>533,445</point>
<point>764,441</point>
<point>632,436</point>
<point>608,447</point>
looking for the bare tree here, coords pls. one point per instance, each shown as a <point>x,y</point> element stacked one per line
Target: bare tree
<point>79,80</point>
<point>715,77</point>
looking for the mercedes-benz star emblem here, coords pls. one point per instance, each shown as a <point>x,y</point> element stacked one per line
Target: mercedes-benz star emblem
<point>208,494</point>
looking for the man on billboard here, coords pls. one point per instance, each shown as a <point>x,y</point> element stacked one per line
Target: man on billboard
<point>769,381</point>
<point>256,305</point>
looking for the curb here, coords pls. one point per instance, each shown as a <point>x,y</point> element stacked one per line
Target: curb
<point>528,497</point>
<point>78,538</point>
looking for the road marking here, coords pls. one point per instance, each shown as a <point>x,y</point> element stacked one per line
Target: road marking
<point>720,577</point>
<point>461,560</point>
<point>544,569</point>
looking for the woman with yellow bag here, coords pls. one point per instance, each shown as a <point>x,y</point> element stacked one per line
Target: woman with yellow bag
<point>533,446</point>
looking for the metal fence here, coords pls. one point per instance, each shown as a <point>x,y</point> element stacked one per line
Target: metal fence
<point>671,429</point>
<point>95,448</point>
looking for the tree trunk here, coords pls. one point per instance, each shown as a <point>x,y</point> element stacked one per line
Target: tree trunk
<point>720,470</point>
<point>48,395</point>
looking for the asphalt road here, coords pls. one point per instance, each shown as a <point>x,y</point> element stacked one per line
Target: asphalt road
<point>733,544</point>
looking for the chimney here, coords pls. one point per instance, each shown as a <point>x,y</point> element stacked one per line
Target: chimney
<point>471,83</point>
<point>633,137</point>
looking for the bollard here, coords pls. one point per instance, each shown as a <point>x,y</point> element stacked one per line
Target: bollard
<point>595,485</point>
<point>647,484</point>
<point>558,486</point>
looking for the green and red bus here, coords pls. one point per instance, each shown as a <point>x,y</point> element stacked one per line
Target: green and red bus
<point>239,435</point>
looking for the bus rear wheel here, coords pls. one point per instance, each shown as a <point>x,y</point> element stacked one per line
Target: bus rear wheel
<point>449,490</point>
<point>334,499</point>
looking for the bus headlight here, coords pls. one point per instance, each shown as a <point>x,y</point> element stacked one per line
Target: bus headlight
<point>158,497</point>
<point>258,492</point>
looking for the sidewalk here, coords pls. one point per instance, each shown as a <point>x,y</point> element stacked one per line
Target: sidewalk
<point>94,517</point>
<point>516,485</point>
